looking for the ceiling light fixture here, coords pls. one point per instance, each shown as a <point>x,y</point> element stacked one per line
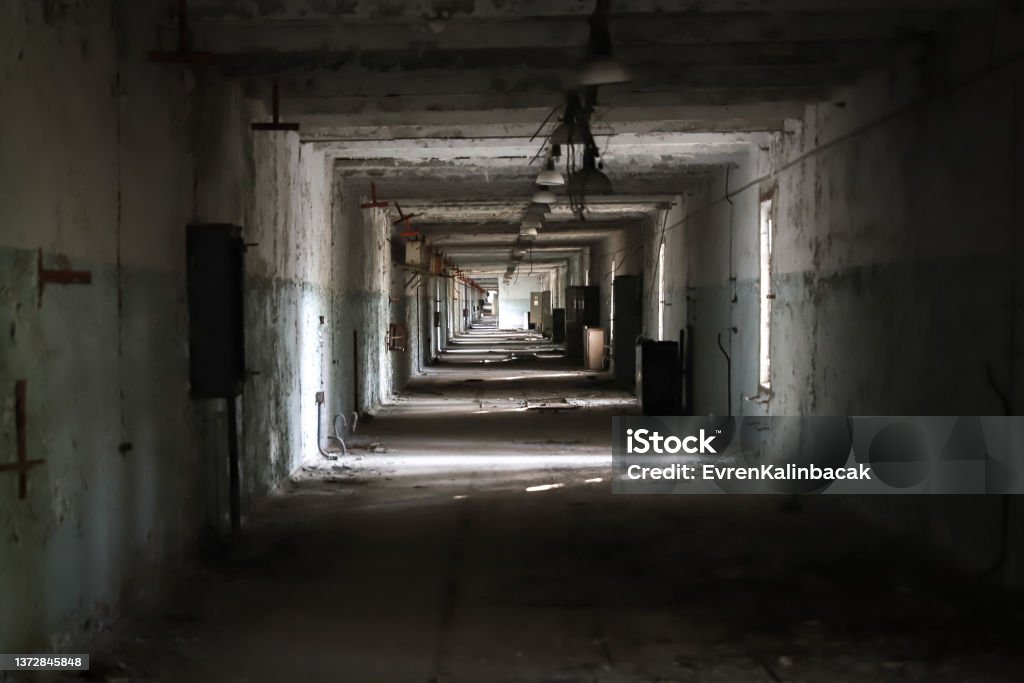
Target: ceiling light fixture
<point>528,233</point>
<point>550,177</point>
<point>544,196</point>
<point>601,67</point>
<point>537,211</point>
<point>589,179</point>
<point>574,126</point>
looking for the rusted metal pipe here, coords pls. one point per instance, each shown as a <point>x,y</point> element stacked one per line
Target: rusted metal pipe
<point>22,465</point>
<point>59,276</point>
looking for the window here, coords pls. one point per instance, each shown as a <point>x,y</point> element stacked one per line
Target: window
<point>661,293</point>
<point>611,316</point>
<point>765,290</point>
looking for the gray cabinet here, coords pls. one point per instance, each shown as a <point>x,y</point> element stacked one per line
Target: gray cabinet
<point>582,309</point>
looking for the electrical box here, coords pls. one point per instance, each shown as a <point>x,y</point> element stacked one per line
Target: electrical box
<point>215,267</point>
<point>417,255</point>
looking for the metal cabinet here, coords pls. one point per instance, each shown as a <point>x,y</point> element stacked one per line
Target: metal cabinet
<point>582,309</point>
<point>657,377</point>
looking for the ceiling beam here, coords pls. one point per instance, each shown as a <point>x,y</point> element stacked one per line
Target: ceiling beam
<point>553,82</point>
<point>432,38</point>
<point>407,108</point>
<point>301,71</point>
<point>432,10</point>
<point>524,124</point>
<point>710,148</point>
<point>455,123</point>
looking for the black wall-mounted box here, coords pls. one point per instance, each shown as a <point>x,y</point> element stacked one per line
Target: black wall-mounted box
<point>657,377</point>
<point>216,254</point>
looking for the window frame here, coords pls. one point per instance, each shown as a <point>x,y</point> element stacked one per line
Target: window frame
<point>766,231</point>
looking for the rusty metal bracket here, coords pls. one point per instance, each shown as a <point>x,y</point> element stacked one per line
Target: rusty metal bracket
<point>60,276</point>
<point>374,203</point>
<point>405,219</point>
<point>184,54</point>
<point>275,123</point>
<point>471,282</point>
<point>22,465</point>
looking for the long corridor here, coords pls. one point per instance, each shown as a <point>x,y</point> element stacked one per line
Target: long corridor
<point>471,535</point>
<point>437,341</point>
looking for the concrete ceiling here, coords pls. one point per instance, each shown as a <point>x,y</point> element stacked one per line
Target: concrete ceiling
<point>445,213</point>
<point>440,103</point>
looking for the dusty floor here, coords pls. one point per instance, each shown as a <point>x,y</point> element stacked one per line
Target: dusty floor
<point>425,556</point>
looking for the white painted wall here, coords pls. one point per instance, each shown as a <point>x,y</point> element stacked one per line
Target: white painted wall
<point>514,300</point>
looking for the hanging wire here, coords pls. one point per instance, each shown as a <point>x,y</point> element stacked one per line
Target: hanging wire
<point>540,151</point>
<point>577,200</point>
<point>544,143</point>
<point>545,122</point>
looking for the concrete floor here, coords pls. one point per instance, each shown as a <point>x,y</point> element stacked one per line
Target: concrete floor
<point>424,556</point>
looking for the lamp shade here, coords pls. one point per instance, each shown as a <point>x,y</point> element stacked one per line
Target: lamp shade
<point>537,211</point>
<point>603,71</point>
<point>544,196</point>
<point>550,177</point>
<point>588,181</point>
